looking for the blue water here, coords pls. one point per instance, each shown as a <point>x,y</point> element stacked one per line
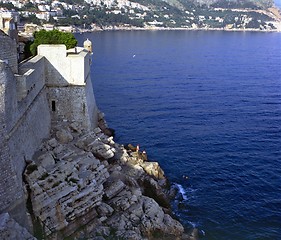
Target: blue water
<point>206,105</point>
<point>278,3</point>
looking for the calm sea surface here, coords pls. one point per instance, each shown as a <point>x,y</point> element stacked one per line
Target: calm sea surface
<point>206,105</point>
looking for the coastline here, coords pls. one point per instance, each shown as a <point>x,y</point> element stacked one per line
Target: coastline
<point>114,28</point>
<point>101,189</point>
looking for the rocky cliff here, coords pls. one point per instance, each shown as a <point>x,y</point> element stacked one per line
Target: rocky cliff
<point>83,185</point>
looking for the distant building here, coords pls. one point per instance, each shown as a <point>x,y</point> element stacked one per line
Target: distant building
<point>65,28</point>
<point>48,27</point>
<point>30,28</point>
<point>43,16</point>
<point>8,23</point>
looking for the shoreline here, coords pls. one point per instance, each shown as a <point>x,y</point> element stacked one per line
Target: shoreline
<point>173,29</point>
<point>99,188</point>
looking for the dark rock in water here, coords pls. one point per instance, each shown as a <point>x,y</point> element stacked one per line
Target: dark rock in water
<point>152,189</point>
<point>194,235</point>
<point>173,192</point>
<point>104,127</point>
<point>109,132</point>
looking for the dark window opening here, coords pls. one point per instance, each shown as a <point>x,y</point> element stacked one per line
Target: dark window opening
<point>53,106</point>
<point>84,108</point>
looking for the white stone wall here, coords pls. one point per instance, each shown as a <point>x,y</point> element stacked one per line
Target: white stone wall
<point>91,103</point>
<point>63,67</point>
<point>23,89</point>
<point>33,126</point>
<point>31,78</point>
<point>11,190</point>
<point>24,124</point>
<point>28,120</point>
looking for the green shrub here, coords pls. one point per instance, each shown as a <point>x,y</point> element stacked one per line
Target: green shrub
<point>52,37</point>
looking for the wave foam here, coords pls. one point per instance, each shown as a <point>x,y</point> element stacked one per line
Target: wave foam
<point>181,191</point>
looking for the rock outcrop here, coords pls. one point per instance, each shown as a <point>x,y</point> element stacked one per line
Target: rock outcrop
<point>84,185</point>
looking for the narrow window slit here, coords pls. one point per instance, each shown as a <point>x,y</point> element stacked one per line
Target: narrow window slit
<point>53,106</point>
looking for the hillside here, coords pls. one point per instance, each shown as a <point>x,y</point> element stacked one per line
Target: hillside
<point>162,14</point>
<point>237,3</point>
<point>188,14</point>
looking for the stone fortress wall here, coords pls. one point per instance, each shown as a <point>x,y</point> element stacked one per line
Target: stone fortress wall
<point>54,85</point>
<point>68,81</point>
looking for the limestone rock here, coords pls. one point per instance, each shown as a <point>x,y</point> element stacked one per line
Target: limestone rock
<point>98,145</point>
<point>75,127</point>
<point>91,180</point>
<point>53,142</point>
<point>152,189</point>
<point>68,191</point>
<point>58,149</point>
<point>103,125</point>
<point>154,215</point>
<point>64,136</point>
<point>153,169</point>
<point>109,131</point>
<point>131,235</point>
<point>172,226</point>
<point>102,231</point>
<point>122,201</point>
<point>47,160</point>
<point>155,221</point>
<point>101,149</point>
<point>104,209</point>
<point>114,189</point>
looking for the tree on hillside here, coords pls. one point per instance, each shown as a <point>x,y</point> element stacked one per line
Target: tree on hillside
<point>30,19</point>
<point>8,6</point>
<point>52,37</point>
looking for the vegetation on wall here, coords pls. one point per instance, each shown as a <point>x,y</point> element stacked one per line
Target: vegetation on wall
<point>52,37</point>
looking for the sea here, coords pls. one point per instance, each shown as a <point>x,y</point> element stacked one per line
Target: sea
<point>207,106</point>
<point>278,3</point>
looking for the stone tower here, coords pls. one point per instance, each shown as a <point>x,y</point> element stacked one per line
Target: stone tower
<point>68,80</point>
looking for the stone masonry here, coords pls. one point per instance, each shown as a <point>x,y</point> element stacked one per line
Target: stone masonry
<point>8,51</point>
<point>32,96</point>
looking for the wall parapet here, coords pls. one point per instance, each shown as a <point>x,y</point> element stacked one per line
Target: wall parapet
<point>31,78</point>
<point>65,67</point>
